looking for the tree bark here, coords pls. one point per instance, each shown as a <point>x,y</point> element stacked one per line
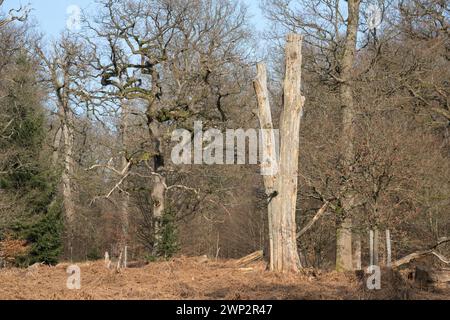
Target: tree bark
<point>68,171</point>
<point>269,163</point>
<point>158,197</point>
<point>56,146</point>
<point>281,186</point>
<point>344,259</point>
<point>344,227</point>
<point>124,207</point>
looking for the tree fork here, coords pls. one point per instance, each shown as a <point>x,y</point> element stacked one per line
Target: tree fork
<point>282,176</point>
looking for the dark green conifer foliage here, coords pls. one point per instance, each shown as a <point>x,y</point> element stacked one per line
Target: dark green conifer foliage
<point>28,179</point>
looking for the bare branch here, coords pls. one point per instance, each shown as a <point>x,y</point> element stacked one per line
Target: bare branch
<point>318,215</point>
<point>420,254</point>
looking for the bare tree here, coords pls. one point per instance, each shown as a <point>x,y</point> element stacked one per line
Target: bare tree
<point>281,185</point>
<point>172,61</point>
<point>333,57</point>
<point>64,71</point>
<point>20,14</point>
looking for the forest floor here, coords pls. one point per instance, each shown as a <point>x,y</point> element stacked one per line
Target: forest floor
<point>193,279</point>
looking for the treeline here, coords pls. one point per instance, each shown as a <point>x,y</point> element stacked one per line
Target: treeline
<point>86,122</point>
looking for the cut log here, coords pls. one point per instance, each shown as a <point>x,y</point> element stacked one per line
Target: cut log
<point>246,269</point>
<point>439,278</point>
<point>202,259</point>
<point>255,256</point>
<point>137,264</point>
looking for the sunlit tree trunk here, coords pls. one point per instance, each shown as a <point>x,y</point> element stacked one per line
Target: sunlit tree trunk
<point>281,185</point>
<point>344,223</point>
<point>124,203</point>
<point>67,176</point>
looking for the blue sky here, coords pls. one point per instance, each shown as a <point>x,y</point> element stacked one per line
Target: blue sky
<point>52,14</point>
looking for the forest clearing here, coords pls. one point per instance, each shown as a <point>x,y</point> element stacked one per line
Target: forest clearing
<point>237,150</point>
<point>196,279</point>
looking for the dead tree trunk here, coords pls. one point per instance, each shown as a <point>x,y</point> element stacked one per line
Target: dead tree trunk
<point>281,185</point>
<point>269,163</point>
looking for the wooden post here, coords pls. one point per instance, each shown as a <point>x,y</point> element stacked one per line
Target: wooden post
<point>376,260</point>
<point>371,247</point>
<point>281,184</point>
<point>107,260</point>
<point>125,257</point>
<point>118,262</point>
<point>357,256</point>
<point>388,249</point>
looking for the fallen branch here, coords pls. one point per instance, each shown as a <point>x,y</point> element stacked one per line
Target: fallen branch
<point>442,112</point>
<point>419,254</point>
<point>255,256</point>
<point>318,215</point>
